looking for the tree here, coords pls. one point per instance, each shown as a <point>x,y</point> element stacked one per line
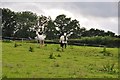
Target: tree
<point>66,25</point>
<point>82,31</point>
<point>41,24</point>
<point>8,23</point>
<point>51,30</point>
<point>25,21</point>
<point>109,33</point>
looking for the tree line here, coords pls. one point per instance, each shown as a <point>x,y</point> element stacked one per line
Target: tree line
<point>20,24</point>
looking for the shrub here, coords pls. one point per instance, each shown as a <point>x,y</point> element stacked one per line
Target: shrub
<point>96,41</point>
<point>7,41</point>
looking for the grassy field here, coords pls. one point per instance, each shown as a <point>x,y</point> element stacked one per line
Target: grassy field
<point>73,62</point>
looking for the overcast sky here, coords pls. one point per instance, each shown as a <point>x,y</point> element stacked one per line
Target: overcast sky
<point>101,15</point>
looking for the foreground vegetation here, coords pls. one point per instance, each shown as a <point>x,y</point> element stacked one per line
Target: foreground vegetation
<point>27,60</point>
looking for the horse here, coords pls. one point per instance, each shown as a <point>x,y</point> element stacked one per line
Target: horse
<point>41,37</point>
<point>63,41</point>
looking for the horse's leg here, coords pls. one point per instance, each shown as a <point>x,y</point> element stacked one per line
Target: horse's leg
<point>40,42</point>
<point>43,42</point>
<point>65,45</point>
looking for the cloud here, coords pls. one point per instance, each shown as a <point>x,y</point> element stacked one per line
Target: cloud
<point>101,15</point>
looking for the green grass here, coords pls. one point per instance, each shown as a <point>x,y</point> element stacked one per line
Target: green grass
<point>74,62</point>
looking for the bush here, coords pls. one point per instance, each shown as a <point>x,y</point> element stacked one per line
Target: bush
<point>96,41</point>
<point>7,41</point>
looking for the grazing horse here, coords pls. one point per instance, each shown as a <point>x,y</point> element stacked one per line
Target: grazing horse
<point>41,37</point>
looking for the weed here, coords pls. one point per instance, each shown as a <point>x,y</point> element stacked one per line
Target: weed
<point>15,45</point>
<point>51,56</point>
<point>57,65</point>
<point>109,67</point>
<point>4,77</point>
<point>58,49</point>
<point>58,55</point>
<point>105,52</point>
<point>104,49</point>
<point>16,72</point>
<point>45,44</point>
<point>31,49</point>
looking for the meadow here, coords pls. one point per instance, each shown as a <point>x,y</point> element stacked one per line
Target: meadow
<point>27,60</point>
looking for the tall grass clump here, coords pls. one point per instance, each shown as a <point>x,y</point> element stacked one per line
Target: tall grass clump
<point>109,67</point>
<point>58,49</point>
<point>105,52</point>
<point>15,45</point>
<point>31,49</point>
<point>58,55</point>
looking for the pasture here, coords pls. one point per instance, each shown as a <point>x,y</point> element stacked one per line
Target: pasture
<point>51,62</point>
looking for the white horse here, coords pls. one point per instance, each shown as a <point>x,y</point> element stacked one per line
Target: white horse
<point>41,37</point>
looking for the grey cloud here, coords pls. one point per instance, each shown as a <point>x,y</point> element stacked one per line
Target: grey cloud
<point>100,9</point>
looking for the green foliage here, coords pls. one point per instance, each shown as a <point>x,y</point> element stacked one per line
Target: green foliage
<point>15,45</point>
<point>58,55</point>
<point>104,49</point>
<point>8,22</point>
<point>97,41</point>
<point>31,49</point>
<point>66,25</point>
<point>109,67</point>
<point>58,49</point>
<point>105,52</point>
<point>51,56</point>
<point>56,65</point>
<point>25,21</point>
<point>19,24</point>
<point>7,41</point>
